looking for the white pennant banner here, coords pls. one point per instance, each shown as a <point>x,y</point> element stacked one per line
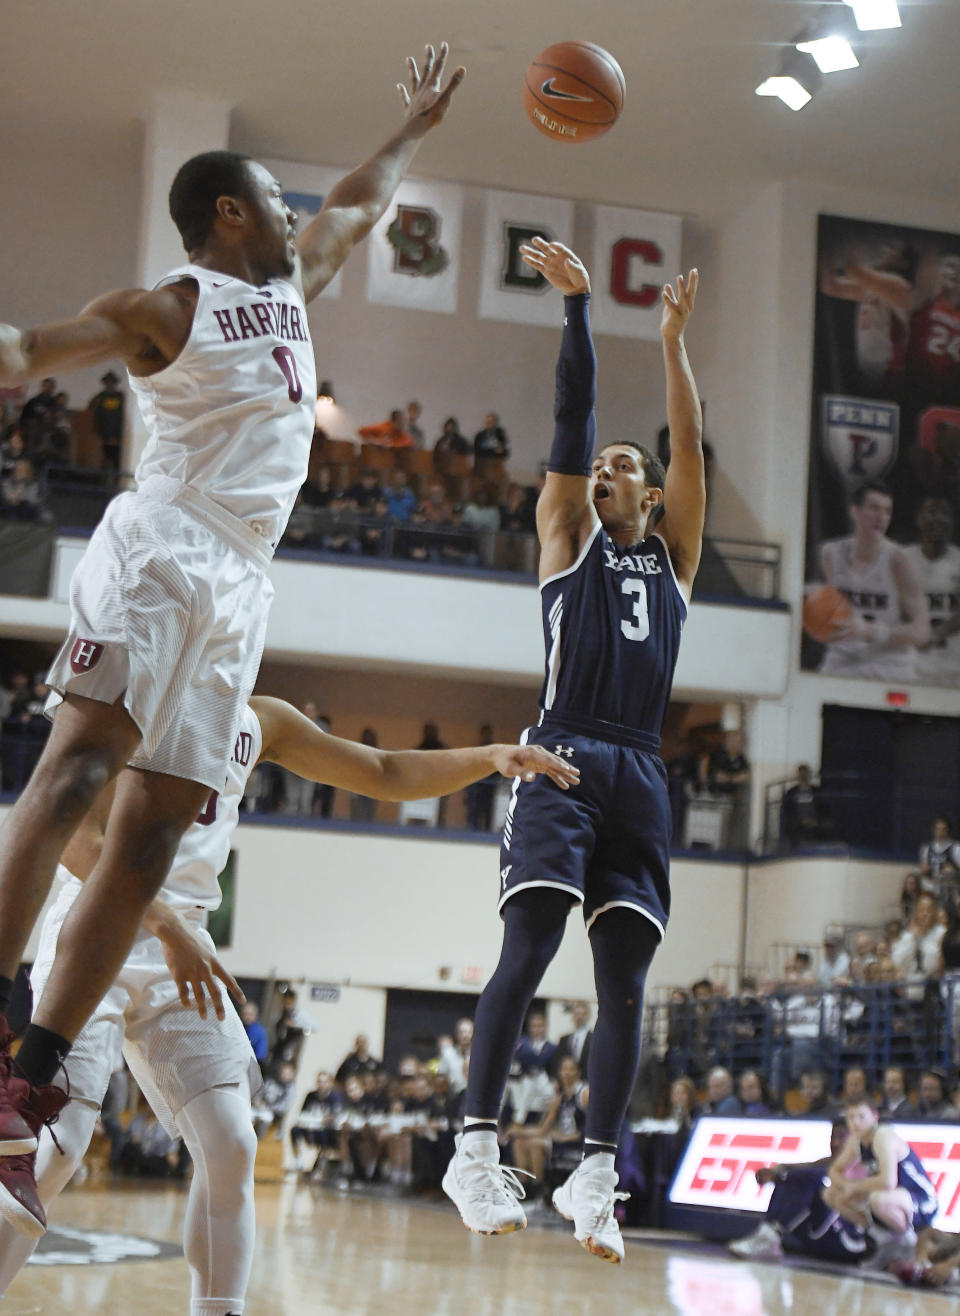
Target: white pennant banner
<point>635,252</point>
<point>415,248</point>
<point>509,289</point>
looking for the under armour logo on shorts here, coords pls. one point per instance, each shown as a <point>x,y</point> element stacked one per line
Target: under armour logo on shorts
<point>84,655</point>
<point>565,749</point>
<point>504,874</point>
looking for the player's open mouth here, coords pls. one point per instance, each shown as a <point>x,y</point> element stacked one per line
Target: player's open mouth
<point>600,492</point>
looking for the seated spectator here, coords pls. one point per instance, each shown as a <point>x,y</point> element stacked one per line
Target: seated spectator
<point>518,511</point>
<point>451,442</point>
<point>412,423</point>
<point>916,952</point>
<point>534,1050</point>
<point>272,1102</point>
<point>289,1033</point>
<point>106,410</point>
<point>835,962</point>
<point>38,412</point>
<point>480,512</point>
<point>683,1102</point>
<point>854,1088</point>
<point>316,1125</point>
<point>362,807</point>
<point>373,529</point>
<point>529,1095</point>
<point>358,1062</point>
<point>896,1105</point>
<point>149,1151</point>
<point>798,972</point>
<point>319,492</point>
<point>360,1146</point>
<point>720,1095</point>
<point>565,1120</point>
<point>752,1094</point>
<point>864,953</point>
<point>366,492</point>
<point>255,1031</point>
<point>399,497</point>
<point>388,433</point>
<point>813,1095</point>
<point>12,450</point>
<point>804,814</point>
<point>810,1023</point>
<point>301,529</point>
<point>798,1220</point>
<point>436,508</point>
<point>454,1061</point>
<point>20,496</point>
<point>491,441</point>
<point>933,1103</point>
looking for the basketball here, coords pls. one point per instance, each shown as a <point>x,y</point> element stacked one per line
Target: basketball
<point>822,609</point>
<point>573,91</point>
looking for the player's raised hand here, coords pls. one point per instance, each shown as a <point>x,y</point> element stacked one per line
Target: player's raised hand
<point>558,265</point>
<point>678,304</point>
<point>425,103</point>
<point>527,761</point>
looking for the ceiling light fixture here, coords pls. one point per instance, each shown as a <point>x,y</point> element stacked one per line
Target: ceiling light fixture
<point>796,83</point>
<point>873,14</point>
<point>832,53</point>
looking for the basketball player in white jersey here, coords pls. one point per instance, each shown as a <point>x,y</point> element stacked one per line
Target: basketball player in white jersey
<point>936,560</point>
<point>198,1071</point>
<point>169,605</point>
<point>889,619</point>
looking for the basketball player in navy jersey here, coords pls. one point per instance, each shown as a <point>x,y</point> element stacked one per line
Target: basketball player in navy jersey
<point>170,602</point>
<point>615,583</point>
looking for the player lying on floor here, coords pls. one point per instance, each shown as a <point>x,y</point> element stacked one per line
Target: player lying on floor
<point>196,1067</point>
<point>798,1220</point>
<point>935,1263</point>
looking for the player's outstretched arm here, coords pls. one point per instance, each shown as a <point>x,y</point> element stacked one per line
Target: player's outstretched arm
<point>891,289</point>
<point>358,201</point>
<point>565,515</point>
<point>144,330</point>
<point>685,491</point>
<point>297,744</point>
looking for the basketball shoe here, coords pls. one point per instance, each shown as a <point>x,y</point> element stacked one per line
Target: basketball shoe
<point>762,1245</point>
<point>15,1134</point>
<point>24,1109</point>
<point>485,1192</point>
<point>587,1198</point>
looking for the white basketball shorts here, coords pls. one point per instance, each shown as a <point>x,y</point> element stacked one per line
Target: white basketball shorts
<point>169,608</point>
<point>173,1054</point>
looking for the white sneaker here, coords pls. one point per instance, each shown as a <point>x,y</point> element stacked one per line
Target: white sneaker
<point>762,1245</point>
<point>485,1192</point>
<point>587,1198</point>
<point>891,1248</point>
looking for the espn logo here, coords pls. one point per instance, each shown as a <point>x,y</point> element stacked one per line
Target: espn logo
<point>720,1163</point>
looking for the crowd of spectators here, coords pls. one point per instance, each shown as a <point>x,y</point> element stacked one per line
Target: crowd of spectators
<point>710,770</point>
<point>23,727</point>
<point>363,1125</point>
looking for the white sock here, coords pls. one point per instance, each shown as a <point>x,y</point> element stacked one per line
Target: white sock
<point>220,1226</point>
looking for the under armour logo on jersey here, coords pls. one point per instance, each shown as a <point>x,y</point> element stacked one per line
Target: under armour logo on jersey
<point>84,655</point>
<point>504,874</point>
<point>566,750</point>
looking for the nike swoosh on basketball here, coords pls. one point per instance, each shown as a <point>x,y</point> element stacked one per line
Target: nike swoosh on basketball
<point>548,89</point>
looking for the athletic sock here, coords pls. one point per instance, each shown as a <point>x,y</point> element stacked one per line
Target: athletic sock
<point>41,1054</point>
<point>475,1124</point>
<point>6,991</point>
<point>591,1148</point>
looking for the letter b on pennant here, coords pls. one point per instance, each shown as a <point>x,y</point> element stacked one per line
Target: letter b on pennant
<point>84,655</point>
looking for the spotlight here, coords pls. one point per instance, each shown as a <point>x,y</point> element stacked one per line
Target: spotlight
<point>871,14</point>
<point>831,53</point>
<point>796,83</point>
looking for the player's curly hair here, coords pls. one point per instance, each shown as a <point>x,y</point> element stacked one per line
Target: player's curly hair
<point>198,185</point>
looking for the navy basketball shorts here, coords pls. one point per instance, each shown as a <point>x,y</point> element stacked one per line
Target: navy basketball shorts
<point>605,840</point>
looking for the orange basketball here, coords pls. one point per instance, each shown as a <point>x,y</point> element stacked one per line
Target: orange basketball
<point>821,609</point>
<point>573,91</point>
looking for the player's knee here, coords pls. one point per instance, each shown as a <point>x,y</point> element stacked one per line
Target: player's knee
<point>72,782</point>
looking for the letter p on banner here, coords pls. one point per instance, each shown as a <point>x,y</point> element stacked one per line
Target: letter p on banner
<point>635,253</point>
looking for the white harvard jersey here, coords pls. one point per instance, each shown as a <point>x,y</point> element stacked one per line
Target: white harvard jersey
<point>940,579</point>
<point>233,415</point>
<point>872,589</point>
<point>205,845</point>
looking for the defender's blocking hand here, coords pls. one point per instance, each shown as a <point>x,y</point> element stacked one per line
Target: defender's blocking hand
<point>677,305</point>
<point>558,265</point>
<point>425,103</point>
<point>527,761</point>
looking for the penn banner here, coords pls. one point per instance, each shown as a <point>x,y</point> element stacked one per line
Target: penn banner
<point>414,258</point>
<point>635,252</point>
<point>882,595</point>
<point>509,289</point>
<point>305,188</point>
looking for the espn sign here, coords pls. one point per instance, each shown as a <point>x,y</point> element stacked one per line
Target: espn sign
<point>722,1156</point>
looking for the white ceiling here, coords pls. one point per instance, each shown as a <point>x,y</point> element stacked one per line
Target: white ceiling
<point>314,81</point>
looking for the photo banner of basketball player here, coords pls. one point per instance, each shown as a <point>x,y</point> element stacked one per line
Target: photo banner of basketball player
<point>635,252</point>
<point>414,250</point>
<point>509,289</point>
<point>305,188</point>
<point>882,593</point>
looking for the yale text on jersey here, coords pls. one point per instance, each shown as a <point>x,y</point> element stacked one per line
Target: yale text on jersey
<point>645,563</point>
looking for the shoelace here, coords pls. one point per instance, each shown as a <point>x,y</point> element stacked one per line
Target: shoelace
<point>604,1209</point>
<point>500,1182</point>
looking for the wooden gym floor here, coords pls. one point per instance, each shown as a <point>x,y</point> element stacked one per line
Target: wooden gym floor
<point>321,1254</point>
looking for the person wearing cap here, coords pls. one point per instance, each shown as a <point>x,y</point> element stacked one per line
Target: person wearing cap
<point>835,963</point>
<point>106,410</point>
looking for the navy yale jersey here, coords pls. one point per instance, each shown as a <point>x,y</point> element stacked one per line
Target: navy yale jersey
<point>612,624</point>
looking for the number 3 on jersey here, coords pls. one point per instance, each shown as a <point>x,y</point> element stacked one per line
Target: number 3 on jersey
<point>640,628</point>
